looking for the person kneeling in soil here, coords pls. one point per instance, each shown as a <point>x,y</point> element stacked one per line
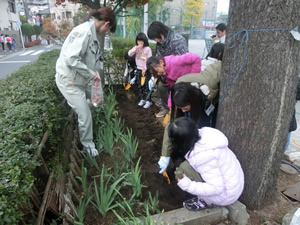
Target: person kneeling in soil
<point>205,166</point>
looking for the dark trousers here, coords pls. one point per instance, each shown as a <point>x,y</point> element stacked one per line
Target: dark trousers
<point>163,92</point>
<point>3,48</point>
<point>144,89</point>
<point>9,46</point>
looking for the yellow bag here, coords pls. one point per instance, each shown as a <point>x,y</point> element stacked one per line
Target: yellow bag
<point>143,78</point>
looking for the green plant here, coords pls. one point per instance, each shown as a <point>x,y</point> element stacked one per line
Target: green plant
<point>30,105</point>
<point>117,125</point>
<point>131,218</point>
<point>90,159</point>
<point>80,213</point>
<point>134,179</point>
<point>83,178</point>
<point>105,137</point>
<point>127,209</point>
<point>131,145</point>
<point>120,166</point>
<point>107,191</point>
<point>152,203</point>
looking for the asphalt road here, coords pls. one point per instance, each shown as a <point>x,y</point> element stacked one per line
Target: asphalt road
<point>12,61</point>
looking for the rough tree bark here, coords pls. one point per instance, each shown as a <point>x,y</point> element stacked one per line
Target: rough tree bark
<point>256,105</point>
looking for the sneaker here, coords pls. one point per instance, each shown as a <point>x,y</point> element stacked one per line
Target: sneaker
<point>92,151</point>
<point>147,104</point>
<point>196,204</point>
<point>162,113</point>
<point>141,103</point>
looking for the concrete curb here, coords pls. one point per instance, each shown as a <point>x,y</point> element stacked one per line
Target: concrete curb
<point>186,217</point>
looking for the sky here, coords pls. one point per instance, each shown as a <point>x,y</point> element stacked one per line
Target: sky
<point>223,6</point>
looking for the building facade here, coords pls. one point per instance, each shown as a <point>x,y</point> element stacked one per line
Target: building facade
<point>8,15</point>
<point>66,10</point>
<point>9,20</point>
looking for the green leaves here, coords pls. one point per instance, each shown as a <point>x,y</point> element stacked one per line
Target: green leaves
<point>107,191</point>
<point>30,105</point>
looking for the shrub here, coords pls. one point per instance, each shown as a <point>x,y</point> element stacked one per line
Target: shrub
<point>30,105</point>
<point>122,45</point>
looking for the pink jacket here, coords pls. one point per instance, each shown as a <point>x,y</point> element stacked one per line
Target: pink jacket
<point>179,65</point>
<point>141,56</point>
<point>219,168</point>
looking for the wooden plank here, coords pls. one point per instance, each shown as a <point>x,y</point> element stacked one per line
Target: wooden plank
<point>45,202</point>
<point>293,192</point>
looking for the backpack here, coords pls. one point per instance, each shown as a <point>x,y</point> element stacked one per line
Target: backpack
<point>8,39</point>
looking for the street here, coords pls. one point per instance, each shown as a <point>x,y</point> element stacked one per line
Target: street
<point>12,61</point>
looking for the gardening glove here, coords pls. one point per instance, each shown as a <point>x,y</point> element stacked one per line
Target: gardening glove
<point>151,83</point>
<point>92,151</point>
<point>133,80</point>
<point>196,85</point>
<point>163,163</point>
<point>205,89</point>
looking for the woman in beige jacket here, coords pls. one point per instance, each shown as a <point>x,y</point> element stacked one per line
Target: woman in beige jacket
<point>79,61</point>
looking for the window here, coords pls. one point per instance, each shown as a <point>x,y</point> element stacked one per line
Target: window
<point>63,15</point>
<point>69,15</point>
<point>11,7</point>
<point>53,16</point>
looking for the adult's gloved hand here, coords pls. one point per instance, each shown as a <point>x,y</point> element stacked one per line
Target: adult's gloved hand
<point>133,80</point>
<point>151,83</point>
<point>163,163</point>
<point>92,151</point>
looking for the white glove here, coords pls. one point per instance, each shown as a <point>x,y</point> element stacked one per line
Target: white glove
<point>196,85</point>
<point>92,151</point>
<point>133,80</point>
<point>163,163</point>
<point>151,83</point>
<point>205,89</point>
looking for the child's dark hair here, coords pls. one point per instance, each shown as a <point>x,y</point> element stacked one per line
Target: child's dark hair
<point>104,14</point>
<point>215,51</point>
<point>183,134</point>
<point>142,37</point>
<point>184,94</point>
<point>152,62</point>
<point>221,27</point>
<point>156,29</point>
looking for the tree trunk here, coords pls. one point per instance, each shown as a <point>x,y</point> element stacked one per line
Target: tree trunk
<point>256,105</point>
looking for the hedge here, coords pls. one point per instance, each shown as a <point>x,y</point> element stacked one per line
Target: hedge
<point>122,45</point>
<point>30,105</point>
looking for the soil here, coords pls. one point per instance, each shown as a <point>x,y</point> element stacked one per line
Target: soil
<point>149,131</point>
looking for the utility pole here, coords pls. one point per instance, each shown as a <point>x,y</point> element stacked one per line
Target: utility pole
<point>26,10</point>
<point>124,23</point>
<point>145,18</point>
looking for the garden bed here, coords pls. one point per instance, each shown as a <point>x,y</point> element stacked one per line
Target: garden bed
<point>149,132</point>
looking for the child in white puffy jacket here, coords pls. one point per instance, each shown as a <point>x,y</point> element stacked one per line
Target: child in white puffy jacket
<point>215,54</point>
<point>206,167</point>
